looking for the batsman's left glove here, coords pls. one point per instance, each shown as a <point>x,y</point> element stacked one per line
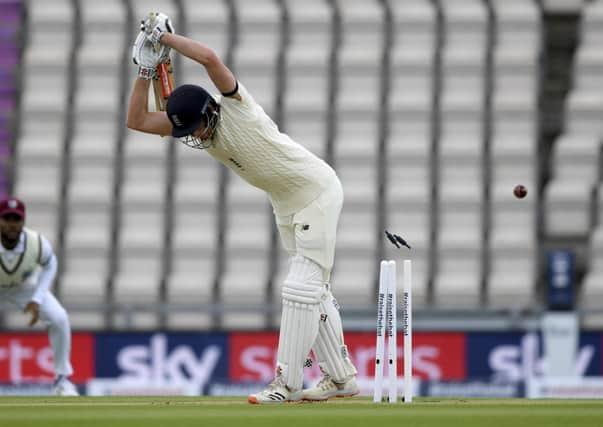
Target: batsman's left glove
<point>146,57</point>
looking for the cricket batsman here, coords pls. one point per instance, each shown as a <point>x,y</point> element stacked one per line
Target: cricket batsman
<point>28,267</point>
<point>304,191</point>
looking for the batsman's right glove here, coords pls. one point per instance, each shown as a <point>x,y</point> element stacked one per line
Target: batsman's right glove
<point>147,57</point>
<point>154,26</point>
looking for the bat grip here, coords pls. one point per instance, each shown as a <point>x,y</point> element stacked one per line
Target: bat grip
<point>164,76</point>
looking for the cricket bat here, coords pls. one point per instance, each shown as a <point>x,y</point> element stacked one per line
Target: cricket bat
<point>163,84</point>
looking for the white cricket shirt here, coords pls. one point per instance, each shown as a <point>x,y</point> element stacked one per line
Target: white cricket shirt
<point>30,264</point>
<point>249,143</point>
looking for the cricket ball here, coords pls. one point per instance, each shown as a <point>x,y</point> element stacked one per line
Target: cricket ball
<point>520,191</point>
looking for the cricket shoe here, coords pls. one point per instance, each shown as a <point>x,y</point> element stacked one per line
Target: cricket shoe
<point>327,388</point>
<point>276,392</point>
<point>64,387</point>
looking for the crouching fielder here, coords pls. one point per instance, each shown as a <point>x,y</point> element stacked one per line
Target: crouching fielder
<point>304,191</point>
<point>27,268</point>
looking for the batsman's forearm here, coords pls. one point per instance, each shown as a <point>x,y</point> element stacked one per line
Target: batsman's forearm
<point>188,47</point>
<point>139,103</point>
<point>219,73</point>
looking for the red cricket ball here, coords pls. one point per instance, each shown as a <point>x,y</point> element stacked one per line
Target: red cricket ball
<point>520,191</point>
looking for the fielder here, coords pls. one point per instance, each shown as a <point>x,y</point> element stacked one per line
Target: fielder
<point>28,267</point>
<point>305,193</point>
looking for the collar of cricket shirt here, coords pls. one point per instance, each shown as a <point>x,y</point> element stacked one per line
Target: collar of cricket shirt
<point>17,249</point>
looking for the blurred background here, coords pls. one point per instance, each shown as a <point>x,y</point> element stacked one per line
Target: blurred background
<point>431,111</point>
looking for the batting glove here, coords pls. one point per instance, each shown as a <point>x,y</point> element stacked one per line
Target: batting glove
<point>145,56</point>
<point>155,25</point>
<point>146,73</point>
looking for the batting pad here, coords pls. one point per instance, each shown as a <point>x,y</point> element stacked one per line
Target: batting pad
<point>304,282</point>
<point>329,348</point>
<point>302,291</point>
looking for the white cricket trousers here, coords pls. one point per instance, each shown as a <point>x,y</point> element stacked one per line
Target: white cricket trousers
<point>312,231</point>
<point>56,320</point>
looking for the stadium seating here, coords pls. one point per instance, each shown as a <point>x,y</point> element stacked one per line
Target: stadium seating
<point>45,103</point>
<point>194,235</point>
<point>575,168</point>
<point>92,154</point>
<point>460,161</point>
<point>513,156</point>
<point>585,107</point>
<point>408,146</point>
<point>10,52</point>
<point>306,68</point>
<point>46,62</point>
<point>427,110</point>
<point>355,147</point>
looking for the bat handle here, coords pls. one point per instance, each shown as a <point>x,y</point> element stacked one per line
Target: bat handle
<point>164,70</point>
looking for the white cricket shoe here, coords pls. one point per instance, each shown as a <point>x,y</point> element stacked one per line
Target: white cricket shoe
<point>327,388</point>
<point>276,392</point>
<point>64,387</point>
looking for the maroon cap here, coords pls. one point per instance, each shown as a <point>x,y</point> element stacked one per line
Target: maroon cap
<point>12,205</point>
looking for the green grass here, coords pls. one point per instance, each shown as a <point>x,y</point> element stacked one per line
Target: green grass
<point>234,411</point>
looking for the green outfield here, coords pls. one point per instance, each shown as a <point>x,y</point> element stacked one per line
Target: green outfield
<point>231,411</point>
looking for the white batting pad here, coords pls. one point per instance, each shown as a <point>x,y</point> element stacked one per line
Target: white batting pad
<point>302,291</point>
<point>304,282</point>
<point>329,348</point>
<point>299,327</point>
